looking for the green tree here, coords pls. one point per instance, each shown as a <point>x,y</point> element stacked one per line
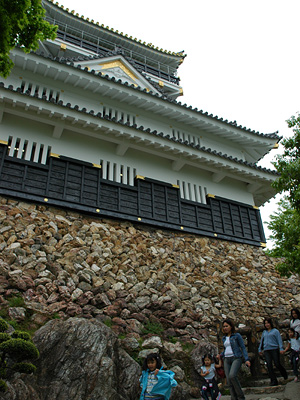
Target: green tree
<point>285,227</point>
<point>22,24</point>
<point>285,223</point>
<point>288,165</point>
<point>16,352</point>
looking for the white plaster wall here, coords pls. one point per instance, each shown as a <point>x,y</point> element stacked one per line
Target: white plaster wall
<point>95,150</point>
<point>97,102</point>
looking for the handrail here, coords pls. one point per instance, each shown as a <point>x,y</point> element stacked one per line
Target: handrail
<point>68,37</point>
<point>107,45</point>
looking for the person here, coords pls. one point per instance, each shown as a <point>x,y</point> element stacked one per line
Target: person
<point>271,345</point>
<point>294,346</point>
<point>234,352</point>
<point>295,320</point>
<point>208,372</point>
<point>156,383</point>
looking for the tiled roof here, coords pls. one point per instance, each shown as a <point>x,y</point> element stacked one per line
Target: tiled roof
<point>149,45</point>
<point>70,62</point>
<point>138,128</point>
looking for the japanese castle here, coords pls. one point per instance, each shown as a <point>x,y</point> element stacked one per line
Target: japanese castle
<point>93,122</point>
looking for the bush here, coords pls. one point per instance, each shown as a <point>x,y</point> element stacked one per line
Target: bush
<point>20,335</point>
<point>19,349</point>
<point>15,350</point>
<point>3,325</point>
<point>3,386</point>
<point>4,337</point>
<point>26,368</point>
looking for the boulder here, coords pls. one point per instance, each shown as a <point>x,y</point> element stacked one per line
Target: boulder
<point>80,360</point>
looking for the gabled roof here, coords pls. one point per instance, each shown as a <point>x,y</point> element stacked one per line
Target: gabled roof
<point>118,67</point>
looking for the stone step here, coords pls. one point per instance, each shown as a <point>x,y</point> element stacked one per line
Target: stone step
<point>260,389</point>
<point>265,391</point>
<point>266,382</point>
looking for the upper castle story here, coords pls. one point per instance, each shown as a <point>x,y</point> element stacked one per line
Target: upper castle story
<point>101,96</point>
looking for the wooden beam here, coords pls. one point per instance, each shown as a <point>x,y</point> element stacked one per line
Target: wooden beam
<point>57,131</point>
<point>253,187</point>
<point>178,164</point>
<point>218,177</point>
<point>121,149</point>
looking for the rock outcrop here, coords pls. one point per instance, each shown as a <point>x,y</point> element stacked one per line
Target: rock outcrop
<point>79,360</point>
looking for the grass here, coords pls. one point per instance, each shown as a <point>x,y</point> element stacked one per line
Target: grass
<point>152,327</point>
<point>16,301</point>
<point>187,347</point>
<point>108,322</point>
<point>172,339</point>
<point>122,336</point>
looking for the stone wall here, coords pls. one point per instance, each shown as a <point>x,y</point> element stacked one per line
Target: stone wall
<point>131,276</point>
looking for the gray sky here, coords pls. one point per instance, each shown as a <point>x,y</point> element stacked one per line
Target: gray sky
<point>242,55</point>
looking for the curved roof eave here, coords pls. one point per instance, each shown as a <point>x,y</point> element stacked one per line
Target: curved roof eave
<point>274,137</point>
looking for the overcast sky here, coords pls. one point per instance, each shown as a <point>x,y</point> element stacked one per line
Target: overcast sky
<point>242,55</point>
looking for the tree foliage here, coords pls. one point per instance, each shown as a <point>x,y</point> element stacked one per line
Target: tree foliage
<point>288,165</point>
<point>22,24</point>
<point>285,223</point>
<point>285,227</point>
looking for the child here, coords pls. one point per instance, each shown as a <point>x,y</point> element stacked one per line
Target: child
<point>156,383</point>
<point>208,372</point>
<point>294,345</point>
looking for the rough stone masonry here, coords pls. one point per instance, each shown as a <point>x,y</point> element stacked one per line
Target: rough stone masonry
<point>68,264</point>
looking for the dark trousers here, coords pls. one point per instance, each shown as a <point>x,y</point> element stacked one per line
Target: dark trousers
<point>274,356</point>
<point>294,361</point>
<point>210,387</point>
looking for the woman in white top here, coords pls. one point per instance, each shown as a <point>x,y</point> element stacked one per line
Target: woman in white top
<point>295,320</point>
<point>234,353</point>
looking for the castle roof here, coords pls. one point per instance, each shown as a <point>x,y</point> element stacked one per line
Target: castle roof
<point>56,13</point>
<point>236,129</point>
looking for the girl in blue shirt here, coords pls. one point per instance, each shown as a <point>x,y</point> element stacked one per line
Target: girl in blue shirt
<point>208,372</point>
<point>156,383</point>
<point>271,345</point>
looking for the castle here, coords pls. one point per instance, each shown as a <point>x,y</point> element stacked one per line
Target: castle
<point>92,122</point>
